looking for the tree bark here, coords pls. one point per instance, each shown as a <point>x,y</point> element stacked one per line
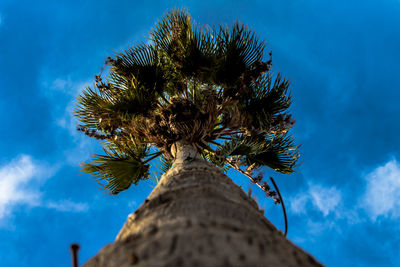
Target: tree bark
<point>196,216</point>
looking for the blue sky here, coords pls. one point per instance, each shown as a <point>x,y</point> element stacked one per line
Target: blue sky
<point>343,62</point>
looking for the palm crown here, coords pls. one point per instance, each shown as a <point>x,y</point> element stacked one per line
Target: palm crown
<point>206,86</point>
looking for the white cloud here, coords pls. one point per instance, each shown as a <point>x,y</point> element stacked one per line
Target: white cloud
<point>71,89</point>
<point>64,85</point>
<point>298,203</point>
<point>67,205</point>
<point>83,146</point>
<point>382,196</point>
<point>380,199</point>
<point>20,182</point>
<point>14,180</point>
<point>68,121</point>
<point>323,199</point>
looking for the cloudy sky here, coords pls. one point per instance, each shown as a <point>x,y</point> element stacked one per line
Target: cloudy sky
<point>342,58</point>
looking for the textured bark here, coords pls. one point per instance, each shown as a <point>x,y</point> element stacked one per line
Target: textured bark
<point>196,216</point>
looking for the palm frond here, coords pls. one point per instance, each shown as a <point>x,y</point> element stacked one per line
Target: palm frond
<point>173,33</point>
<point>191,49</point>
<point>197,84</point>
<point>216,159</point>
<point>199,58</point>
<point>275,151</point>
<point>119,168</point>
<point>238,49</point>
<point>267,102</point>
<point>163,164</point>
<point>108,108</point>
<point>139,65</point>
<point>93,106</point>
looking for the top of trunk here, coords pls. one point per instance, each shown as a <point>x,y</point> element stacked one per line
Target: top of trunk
<point>183,150</point>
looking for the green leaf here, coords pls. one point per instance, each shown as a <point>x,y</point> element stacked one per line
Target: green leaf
<point>119,170</point>
<point>163,165</point>
<point>139,67</point>
<point>109,109</point>
<point>275,151</point>
<point>190,50</point>
<point>238,50</point>
<point>267,100</point>
<point>173,33</point>
<point>217,160</point>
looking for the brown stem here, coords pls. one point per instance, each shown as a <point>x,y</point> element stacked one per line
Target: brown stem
<point>230,162</point>
<point>222,133</point>
<point>283,204</point>
<point>153,157</point>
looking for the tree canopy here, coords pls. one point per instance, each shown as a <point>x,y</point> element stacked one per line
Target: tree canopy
<point>208,86</point>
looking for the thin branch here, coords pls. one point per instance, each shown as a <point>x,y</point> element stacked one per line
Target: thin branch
<point>163,98</point>
<point>218,124</point>
<point>225,138</point>
<point>230,162</point>
<point>214,143</point>
<point>153,157</point>
<point>283,204</point>
<point>220,134</point>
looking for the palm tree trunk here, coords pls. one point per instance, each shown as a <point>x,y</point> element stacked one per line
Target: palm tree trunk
<point>196,216</point>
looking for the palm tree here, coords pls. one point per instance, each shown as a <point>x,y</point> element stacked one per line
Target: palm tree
<point>197,101</point>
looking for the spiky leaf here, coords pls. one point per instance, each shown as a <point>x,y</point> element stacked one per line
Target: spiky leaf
<point>275,151</point>
<point>118,170</point>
